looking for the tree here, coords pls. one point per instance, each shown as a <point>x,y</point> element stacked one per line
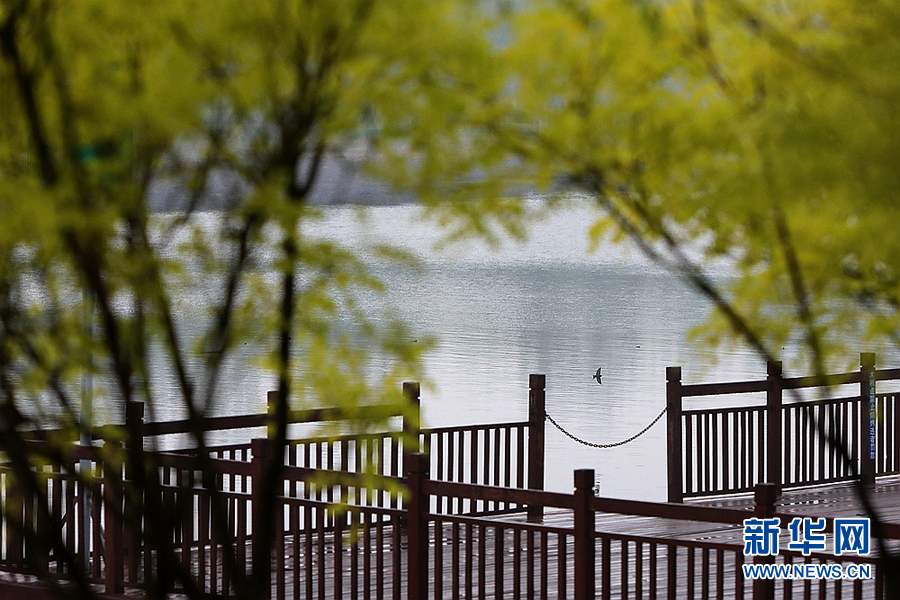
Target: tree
<point>104,107</point>
<point>760,134</point>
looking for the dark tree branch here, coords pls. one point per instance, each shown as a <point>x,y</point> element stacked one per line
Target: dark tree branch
<point>27,87</point>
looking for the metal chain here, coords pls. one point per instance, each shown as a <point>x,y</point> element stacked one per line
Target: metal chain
<point>622,443</point>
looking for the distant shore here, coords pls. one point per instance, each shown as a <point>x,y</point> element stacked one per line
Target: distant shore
<point>340,182</point>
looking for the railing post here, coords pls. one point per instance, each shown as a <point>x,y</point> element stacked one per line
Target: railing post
<point>417,522</point>
<point>673,434</point>
<point>113,554</point>
<point>774,442</point>
<point>134,425</point>
<point>271,407</point>
<point>585,549</point>
<point>536,419</point>
<point>867,418</point>
<point>411,420</point>
<point>261,550</point>
<point>764,495</point>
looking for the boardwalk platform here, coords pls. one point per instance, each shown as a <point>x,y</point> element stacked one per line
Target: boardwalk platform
<point>633,555</point>
<point>831,501</point>
<point>633,559</point>
<point>475,523</point>
<point>538,558</point>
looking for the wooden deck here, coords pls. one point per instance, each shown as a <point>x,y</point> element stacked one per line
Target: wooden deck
<point>834,500</point>
<point>445,539</point>
<point>632,555</point>
<point>538,559</point>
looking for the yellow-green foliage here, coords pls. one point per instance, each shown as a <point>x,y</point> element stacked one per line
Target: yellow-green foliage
<point>100,101</point>
<point>762,132</point>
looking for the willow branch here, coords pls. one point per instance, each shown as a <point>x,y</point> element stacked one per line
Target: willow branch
<point>26,86</point>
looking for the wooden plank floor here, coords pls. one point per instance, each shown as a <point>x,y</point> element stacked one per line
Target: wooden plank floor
<point>366,564</point>
<point>836,500</point>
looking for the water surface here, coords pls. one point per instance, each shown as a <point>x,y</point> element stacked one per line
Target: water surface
<point>548,306</point>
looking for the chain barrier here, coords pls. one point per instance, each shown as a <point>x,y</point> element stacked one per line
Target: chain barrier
<point>622,443</point>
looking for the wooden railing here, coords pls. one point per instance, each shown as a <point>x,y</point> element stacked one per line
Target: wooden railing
<point>791,444</point>
<point>206,501</point>
<point>459,556</point>
<point>200,528</point>
<point>359,551</point>
<point>502,454</point>
<point>51,506</point>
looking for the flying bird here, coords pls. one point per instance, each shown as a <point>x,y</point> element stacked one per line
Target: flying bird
<point>597,375</point>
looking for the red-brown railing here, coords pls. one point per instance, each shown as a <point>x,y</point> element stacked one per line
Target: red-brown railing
<point>501,454</point>
<point>474,557</point>
<point>50,505</point>
<point>205,502</point>
<point>442,540</point>
<point>323,550</point>
<point>791,444</point>
<point>887,434</point>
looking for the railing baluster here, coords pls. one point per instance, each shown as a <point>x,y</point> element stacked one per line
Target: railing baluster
<point>707,451</point>
<point>672,579</point>
<point>517,564</point>
<point>689,487</point>
<point>716,482</point>
<point>379,558</point>
<point>296,548</point>
<point>748,456</point>
<point>470,567</point>
<point>801,458</point>
<point>439,469</point>
<point>489,449</point>
<point>545,560</point>
<point>820,442</point>
<point>455,572</point>
<point>461,475</point>
<point>529,581</point>
<point>759,473</point>
<point>482,562</point>
<point>507,462</point>
<point>691,573</point>
<point>366,523</point>
<point>720,574</point>
<point>605,568</point>
<point>338,545</point>
<point>561,561</point>
<point>736,435</point>
<point>895,433</point>
<point>438,558</point>
<point>727,484</point>
<point>704,565</point>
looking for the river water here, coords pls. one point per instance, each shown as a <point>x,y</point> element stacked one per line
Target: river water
<point>549,306</point>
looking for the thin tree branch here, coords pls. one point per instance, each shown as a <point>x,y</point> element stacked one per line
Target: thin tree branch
<point>28,94</point>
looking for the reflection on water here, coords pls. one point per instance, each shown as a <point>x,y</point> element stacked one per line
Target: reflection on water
<point>545,306</point>
<point>549,307</point>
